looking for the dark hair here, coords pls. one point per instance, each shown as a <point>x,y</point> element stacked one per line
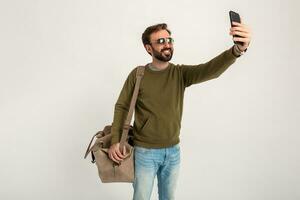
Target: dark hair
<point>153,29</point>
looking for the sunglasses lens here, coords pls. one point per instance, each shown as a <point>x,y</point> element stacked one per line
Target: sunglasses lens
<point>161,40</point>
<point>170,40</point>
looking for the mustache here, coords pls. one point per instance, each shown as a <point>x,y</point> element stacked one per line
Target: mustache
<point>166,49</point>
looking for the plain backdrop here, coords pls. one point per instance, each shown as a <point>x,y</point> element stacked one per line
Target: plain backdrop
<point>64,62</point>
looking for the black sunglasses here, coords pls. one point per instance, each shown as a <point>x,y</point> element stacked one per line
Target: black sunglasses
<point>169,40</point>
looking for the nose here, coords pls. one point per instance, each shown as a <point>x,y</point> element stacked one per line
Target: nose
<point>167,45</point>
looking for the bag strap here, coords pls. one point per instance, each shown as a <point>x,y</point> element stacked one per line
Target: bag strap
<point>139,76</point>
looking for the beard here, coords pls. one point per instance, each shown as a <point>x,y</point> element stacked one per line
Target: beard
<point>164,55</point>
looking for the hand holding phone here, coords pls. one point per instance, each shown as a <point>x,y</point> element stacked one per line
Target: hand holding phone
<point>235,17</point>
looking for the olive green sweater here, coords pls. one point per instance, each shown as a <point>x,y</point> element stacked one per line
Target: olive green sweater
<point>158,110</point>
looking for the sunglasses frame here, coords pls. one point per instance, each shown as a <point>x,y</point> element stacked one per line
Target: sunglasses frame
<point>169,40</point>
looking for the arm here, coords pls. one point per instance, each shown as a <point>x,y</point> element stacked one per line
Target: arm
<point>214,68</point>
<point>122,107</point>
<point>193,74</point>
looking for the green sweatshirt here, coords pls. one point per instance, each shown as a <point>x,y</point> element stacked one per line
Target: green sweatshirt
<point>158,110</point>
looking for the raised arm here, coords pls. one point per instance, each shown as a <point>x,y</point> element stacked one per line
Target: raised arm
<point>193,74</point>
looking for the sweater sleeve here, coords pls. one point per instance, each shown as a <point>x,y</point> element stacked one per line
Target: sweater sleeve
<point>122,107</point>
<point>193,74</point>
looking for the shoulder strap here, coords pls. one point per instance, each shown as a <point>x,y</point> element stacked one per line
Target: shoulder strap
<point>139,75</point>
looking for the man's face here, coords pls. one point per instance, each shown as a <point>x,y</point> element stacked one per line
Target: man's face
<point>161,51</point>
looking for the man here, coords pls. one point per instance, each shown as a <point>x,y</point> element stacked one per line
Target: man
<point>158,109</point>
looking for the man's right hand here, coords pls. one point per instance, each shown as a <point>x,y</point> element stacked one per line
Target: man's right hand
<point>115,154</point>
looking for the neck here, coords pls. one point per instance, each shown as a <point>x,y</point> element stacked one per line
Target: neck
<point>159,64</point>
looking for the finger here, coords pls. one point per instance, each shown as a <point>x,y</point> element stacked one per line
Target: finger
<point>239,33</point>
<point>242,29</point>
<point>120,155</point>
<point>236,23</point>
<point>112,158</point>
<point>116,156</point>
<point>240,39</point>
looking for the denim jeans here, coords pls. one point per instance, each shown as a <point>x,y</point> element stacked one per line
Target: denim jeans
<point>149,163</point>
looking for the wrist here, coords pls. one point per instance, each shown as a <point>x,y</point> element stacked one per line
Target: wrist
<point>237,51</point>
<point>243,50</point>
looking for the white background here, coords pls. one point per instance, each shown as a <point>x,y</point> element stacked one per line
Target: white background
<point>63,64</point>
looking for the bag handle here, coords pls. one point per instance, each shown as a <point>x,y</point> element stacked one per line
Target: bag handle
<point>88,150</point>
<point>139,76</point>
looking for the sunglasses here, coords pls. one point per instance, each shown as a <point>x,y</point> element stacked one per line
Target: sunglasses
<point>169,40</point>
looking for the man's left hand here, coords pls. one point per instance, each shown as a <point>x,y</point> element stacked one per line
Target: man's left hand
<point>241,33</point>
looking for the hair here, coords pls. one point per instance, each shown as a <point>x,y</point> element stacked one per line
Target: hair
<point>153,29</point>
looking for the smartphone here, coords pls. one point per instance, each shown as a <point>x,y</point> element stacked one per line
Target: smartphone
<point>235,17</point>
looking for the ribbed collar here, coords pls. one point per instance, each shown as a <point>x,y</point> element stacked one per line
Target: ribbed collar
<point>148,68</point>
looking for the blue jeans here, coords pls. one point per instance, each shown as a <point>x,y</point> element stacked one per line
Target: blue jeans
<point>164,163</point>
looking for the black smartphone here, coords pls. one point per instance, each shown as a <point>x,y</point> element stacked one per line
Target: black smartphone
<point>235,17</point>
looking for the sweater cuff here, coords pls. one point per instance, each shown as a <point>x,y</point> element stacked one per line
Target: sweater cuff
<point>115,135</point>
<point>115,139</point>
<point>234,52</point>
<point>231,54</point>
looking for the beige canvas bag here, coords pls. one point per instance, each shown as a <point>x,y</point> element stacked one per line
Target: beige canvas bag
<point>108,170</point>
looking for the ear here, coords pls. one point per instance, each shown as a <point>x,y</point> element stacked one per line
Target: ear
<point>148,48</point>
